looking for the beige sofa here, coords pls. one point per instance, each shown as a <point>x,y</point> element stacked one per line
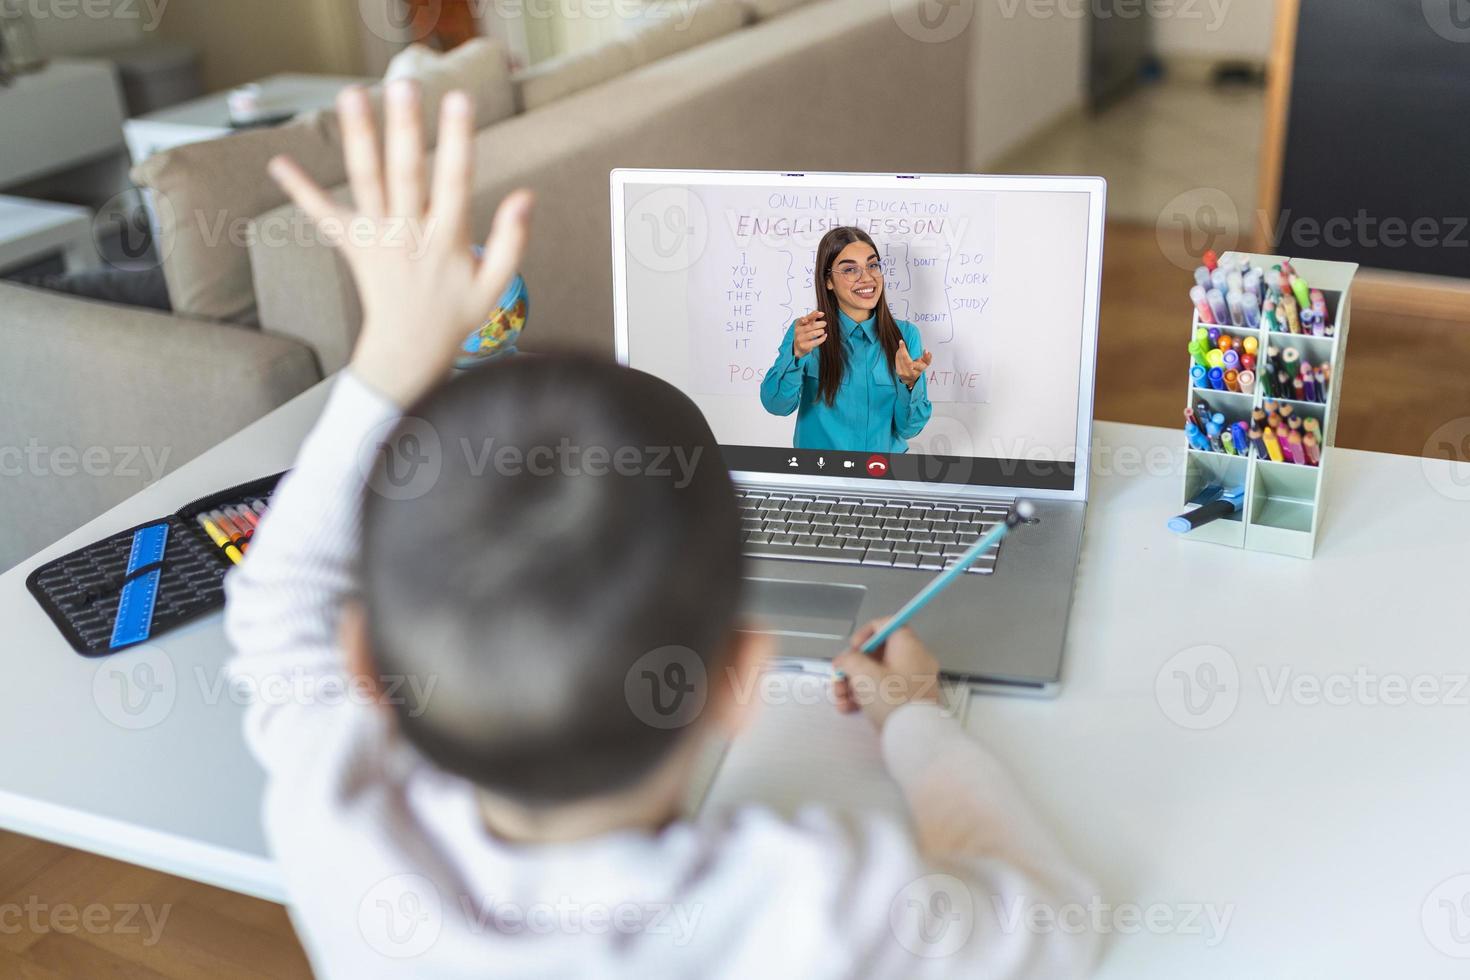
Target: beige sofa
<point>828,85</point>
<point>858,85</point>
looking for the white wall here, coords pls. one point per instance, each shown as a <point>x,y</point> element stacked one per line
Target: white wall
<point>1217,29</point>
<point>1030,68</point>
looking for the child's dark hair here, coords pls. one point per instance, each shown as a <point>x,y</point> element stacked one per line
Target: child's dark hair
<point>582,519</point>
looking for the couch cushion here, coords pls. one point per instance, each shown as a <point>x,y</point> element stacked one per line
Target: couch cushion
<point>206,195</point>
<point>668,29</point>
<point>559,77</point>
<point>480,67</point>
<point>764,9</point>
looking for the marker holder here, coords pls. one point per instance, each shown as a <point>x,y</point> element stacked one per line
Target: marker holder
<point>80,590</point>
<point>1283,501</point>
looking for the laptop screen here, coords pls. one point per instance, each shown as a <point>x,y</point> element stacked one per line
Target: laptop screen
<point>926,329</point>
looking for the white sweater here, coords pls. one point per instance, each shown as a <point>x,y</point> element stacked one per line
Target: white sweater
<point>391,872</point>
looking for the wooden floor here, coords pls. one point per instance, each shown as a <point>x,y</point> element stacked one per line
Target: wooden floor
<point>1405,378</point>
<point>142,925</point>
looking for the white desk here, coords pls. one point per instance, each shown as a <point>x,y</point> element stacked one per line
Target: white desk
<point>1322,829</point>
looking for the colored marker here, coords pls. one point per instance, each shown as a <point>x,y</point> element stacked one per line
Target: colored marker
<point>1213,428</point>
<point>1232,380</point>
<point>221,540</point>
<point>1201,305</point>
<point>1242,439</point>
<point>1217,379</point>
<point>1215,503</point>
<point>1252,308</point>
<point>236,534</point>
<point>1197,352</point>
<point>1217,306</point>
<point>1247,382</point>
<point>1215,357</point>
<point>1199,377</point>
<point>245,518</point>
<point>1231,361</point>
<point>1302,291</point>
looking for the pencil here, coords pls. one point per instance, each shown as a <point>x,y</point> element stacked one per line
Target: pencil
<point>1023,511</point>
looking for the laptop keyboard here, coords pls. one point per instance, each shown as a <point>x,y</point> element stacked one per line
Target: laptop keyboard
<point>854,530</point>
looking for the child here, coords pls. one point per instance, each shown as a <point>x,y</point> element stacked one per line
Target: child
<point>458,597</point>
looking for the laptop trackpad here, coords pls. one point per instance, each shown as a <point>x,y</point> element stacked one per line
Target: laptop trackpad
<point>809,610</point>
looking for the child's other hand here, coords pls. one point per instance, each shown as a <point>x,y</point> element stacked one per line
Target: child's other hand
<point>901,672</point>
<point>422,290</point>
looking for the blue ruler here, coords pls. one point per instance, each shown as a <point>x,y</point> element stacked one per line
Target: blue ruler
<point>140,594</point>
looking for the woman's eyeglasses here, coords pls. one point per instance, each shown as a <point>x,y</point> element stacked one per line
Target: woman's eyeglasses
<point>852,273</point>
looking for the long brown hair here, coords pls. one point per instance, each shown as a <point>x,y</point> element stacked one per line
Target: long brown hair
<point>832,367</point>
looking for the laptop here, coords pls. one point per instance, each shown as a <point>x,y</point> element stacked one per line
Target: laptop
<point>999,277</point>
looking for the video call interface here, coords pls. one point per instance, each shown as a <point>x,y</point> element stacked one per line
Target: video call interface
<point>958,314</point>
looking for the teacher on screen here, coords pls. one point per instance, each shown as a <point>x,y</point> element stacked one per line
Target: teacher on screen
<point>864,390</point>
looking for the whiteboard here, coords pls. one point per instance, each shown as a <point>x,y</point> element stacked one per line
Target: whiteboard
<point>755,276</point>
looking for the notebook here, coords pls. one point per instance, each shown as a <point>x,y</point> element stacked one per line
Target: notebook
<point>798,751</point>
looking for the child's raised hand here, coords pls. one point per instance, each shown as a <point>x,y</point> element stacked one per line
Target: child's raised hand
<point>902,671</point>
<point>408,246</point>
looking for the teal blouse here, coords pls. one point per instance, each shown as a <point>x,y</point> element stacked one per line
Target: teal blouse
<point>873,411</point>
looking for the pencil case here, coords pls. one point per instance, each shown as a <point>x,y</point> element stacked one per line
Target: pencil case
<point>83,591</point>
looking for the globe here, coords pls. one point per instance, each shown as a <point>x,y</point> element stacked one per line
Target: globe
<point>498,334</point>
